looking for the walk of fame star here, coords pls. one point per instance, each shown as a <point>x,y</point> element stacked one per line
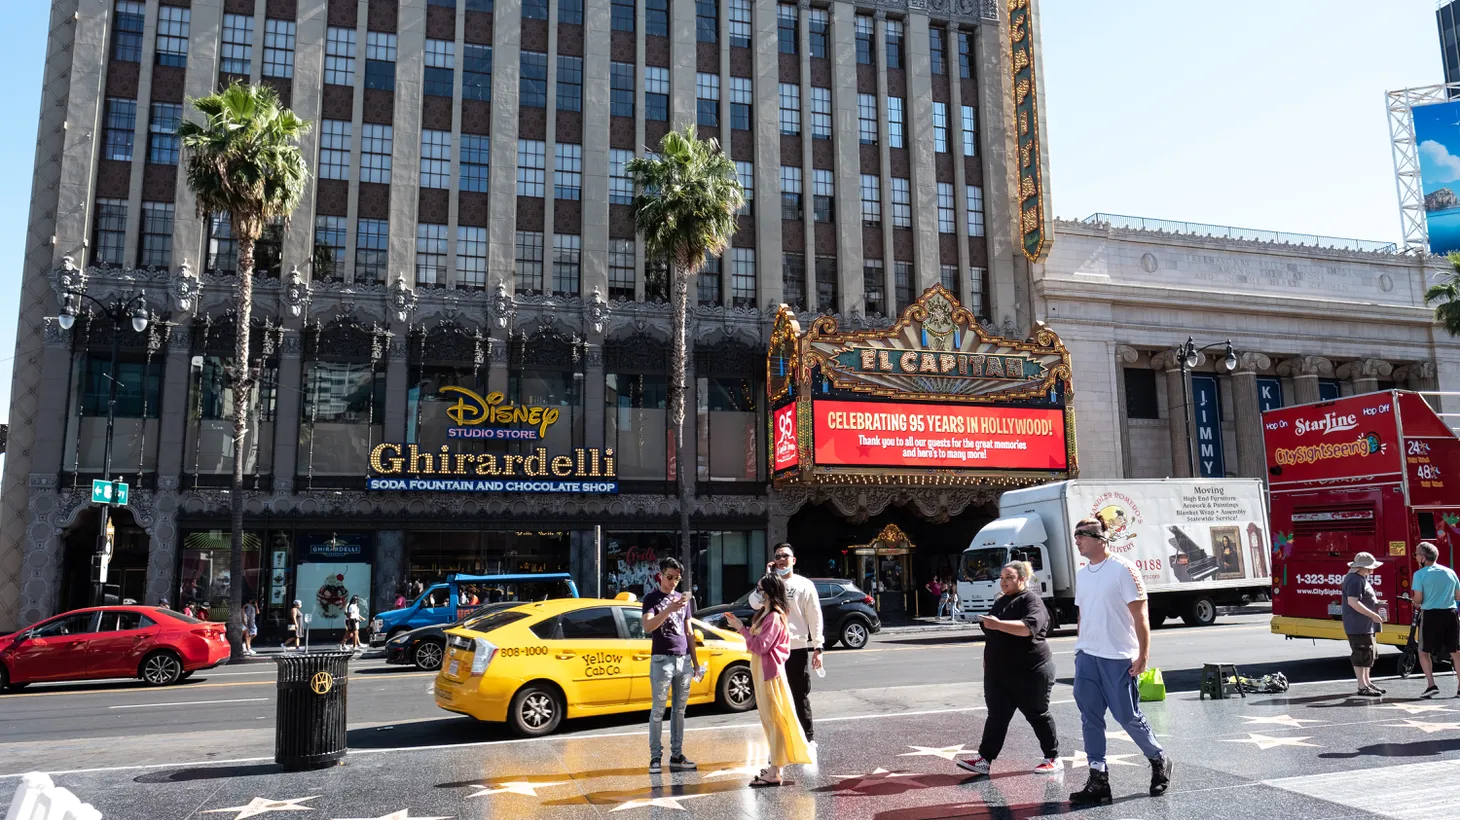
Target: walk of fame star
<point>1264,742</point>
<point>1416,708</point>
<point>403,814</point>
<point>1281,720</point>
<point>1427,728</point>
<point>878,773</point>
<point>526,787</point>
<point>260,805</point>
<point>1079,760</point>
<point>945,752</point>
<point>748,770</point>
<point>667,802</point>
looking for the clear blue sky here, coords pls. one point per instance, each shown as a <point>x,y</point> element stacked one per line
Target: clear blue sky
<point>1255,113</point>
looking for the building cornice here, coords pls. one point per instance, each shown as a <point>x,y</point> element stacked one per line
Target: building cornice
<point>1105,230</point>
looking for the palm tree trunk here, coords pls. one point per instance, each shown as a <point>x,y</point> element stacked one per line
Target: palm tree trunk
<point>242,387</point>
<point>683,472</point>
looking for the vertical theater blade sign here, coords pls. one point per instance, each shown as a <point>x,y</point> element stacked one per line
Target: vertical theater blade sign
<point>1026,113</point>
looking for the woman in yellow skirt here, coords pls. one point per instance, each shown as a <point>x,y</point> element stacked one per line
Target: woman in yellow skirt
<point>768,640</point>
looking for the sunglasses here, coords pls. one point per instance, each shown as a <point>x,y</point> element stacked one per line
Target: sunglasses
<point>783,556</point>
<point>673,579</point>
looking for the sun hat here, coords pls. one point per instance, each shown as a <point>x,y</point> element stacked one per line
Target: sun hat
<point>1365,560</point>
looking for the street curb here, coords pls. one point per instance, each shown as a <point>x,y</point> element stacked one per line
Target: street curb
<point>914,629</point>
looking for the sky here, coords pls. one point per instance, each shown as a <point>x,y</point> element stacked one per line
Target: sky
<point>1254,113</point>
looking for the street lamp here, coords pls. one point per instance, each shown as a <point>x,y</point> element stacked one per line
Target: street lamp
<point>1190,356</point>
<point>121,310</point>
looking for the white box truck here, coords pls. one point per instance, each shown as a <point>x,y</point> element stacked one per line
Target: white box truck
<point>1198,543</point>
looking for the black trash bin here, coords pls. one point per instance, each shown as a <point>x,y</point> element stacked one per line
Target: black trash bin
<point>309,732</point>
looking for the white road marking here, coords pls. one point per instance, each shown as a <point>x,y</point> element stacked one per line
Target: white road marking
<point>188,703</point>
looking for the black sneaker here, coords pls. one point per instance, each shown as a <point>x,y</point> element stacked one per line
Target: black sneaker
<point>1371,692</point>
<point>1161,768</point>
<point>654,767</point>
<point>680,763</point>
<point>1430,691</point>
<point>1097,790</point>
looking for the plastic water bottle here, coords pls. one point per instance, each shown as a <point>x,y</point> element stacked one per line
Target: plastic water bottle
<point>821,670</point>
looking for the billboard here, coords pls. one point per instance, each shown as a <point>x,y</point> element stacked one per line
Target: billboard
<point>784,453</point>
<point>904,434</point>
<point>1437,138</point>
<point>1352,439</point>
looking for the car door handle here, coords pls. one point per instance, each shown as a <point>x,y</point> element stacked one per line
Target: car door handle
<point>563,656</point>
<point>642,657</point>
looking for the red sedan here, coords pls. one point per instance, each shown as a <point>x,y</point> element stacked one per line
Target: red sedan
<point>157,645</point>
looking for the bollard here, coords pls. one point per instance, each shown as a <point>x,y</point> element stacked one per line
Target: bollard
<point>309,730</point>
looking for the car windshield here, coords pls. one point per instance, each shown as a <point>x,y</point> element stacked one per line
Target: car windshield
<point>492,620</point>
<point>492,592</point>
<point>983,565</point>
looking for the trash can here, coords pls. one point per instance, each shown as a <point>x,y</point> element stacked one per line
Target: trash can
<point>309,731</point>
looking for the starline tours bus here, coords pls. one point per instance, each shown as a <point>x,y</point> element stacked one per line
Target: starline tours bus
<point>1374,473</point>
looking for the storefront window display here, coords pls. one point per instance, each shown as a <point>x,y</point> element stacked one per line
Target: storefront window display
<point>331,568</point>
<point>726,563</point>
<point>206,570</point>
<point>431,556</point>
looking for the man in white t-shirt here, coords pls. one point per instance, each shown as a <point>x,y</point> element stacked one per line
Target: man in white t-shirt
<point>1110,654</point>
<point>804,623</point>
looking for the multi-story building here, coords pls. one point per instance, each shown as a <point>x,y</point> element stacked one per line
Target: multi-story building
<point>468,224</point>
<point>1447,17</point>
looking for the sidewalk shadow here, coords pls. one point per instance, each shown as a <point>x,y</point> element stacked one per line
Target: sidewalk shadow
<point>450,731</point>
<point>1421,748</point>
<point>209,773</point>
<point>632,771</point>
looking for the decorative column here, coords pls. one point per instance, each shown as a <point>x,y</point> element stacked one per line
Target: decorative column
<point>1419,376</point>
<point>390,568</point>
<point>1305,372</point>
<point>402,303</point>
<point>1251,460</point>
<point>1178,409</point>
<point>593,408</point>
<point>1124,355</point>
<point>497,366</point>
<point>1364,374</point>
<point>294,298</point>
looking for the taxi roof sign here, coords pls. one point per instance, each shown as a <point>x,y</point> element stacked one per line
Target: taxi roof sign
<point>626,596</point>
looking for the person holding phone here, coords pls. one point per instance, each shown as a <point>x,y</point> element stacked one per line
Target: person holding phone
<point>768,638</point>
<point>667,613</point>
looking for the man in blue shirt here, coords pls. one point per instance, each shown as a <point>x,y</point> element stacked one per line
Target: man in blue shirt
<point>1435,591</point>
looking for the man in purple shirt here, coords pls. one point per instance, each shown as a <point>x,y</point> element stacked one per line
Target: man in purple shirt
<point>667,620</point>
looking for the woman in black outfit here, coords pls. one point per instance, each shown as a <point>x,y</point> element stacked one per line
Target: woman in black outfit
<point>1018,670</point>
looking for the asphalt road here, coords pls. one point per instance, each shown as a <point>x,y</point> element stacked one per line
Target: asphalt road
<point>229,712</point>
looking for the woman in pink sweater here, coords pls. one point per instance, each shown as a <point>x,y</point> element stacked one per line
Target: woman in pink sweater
<point>768,640</point>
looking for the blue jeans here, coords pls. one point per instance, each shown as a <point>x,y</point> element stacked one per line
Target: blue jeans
<point>666,671</point>
<point>1103,683</point>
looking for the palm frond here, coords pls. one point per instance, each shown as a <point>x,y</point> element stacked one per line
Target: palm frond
<point>685,200</point>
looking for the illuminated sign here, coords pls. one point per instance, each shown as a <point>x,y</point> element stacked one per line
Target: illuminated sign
<point>784,453</point>
<point>410,468</point>
<point>472,410</point>
<point>952,365</point>
<point>902,434</point>
<point>1026,116</point>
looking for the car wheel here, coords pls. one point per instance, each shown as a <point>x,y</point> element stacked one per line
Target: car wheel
<point>854,633</point>
<point>536,710</point>
<point>1202,611</point>
<point>737,690</point>
<point>428,655</point>
<point>161,669</point>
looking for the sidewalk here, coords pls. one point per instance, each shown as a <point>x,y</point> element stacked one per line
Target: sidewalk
<point>917,625</point>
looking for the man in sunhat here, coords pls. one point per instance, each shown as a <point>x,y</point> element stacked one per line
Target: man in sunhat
<point>1435,590</point>
<point>1361,619</point>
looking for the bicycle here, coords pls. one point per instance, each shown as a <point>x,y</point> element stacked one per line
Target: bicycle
<point>1409,656</point>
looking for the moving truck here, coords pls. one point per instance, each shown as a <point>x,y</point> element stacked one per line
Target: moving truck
<point>1197,543</point>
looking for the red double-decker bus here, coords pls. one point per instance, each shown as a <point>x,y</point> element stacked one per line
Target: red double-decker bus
<point>1373,473</point>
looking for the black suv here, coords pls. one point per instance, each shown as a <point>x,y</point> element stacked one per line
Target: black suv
<point>847,613</point>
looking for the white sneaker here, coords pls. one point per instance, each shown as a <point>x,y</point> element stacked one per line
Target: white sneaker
<point>811,745</point>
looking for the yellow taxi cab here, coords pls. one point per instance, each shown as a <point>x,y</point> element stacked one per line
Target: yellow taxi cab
<point>535,664</point>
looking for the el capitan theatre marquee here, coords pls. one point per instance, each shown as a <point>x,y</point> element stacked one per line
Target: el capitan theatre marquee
<point>933,400</point>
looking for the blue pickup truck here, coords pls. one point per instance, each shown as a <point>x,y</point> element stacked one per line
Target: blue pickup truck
<point>446,602</point>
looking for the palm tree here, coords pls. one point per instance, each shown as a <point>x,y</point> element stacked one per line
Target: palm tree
<point>1447,294</point>
<point>243,160</point>
<point>684,206</point>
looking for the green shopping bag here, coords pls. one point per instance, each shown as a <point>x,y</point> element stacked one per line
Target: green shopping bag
<point>1151,685</point>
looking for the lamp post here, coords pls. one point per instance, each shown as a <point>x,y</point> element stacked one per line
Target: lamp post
<point>1190,356</point>
<point>121,310</point>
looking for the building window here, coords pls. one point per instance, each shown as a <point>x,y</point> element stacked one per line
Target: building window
<point>790,98</point>
<point>826,284</point>
<point>479,5</point>
<point>435,159</point>
<point>621,89</point>
<point>656,17</point>
<point>865,51</point>
<point>440,76</point>
<point>475,162</point>
<point>740,23</point>
<point>901,203</point>
<point>529,262</point>
<point>965,55</point>
<point>948,278</point>
<point>970,131</point>
<point>109,232</point>
<point>380,61</point>
<point>742,277</point>
<point>329,247</point>
<point>902,278</point>
<point>339,56</point>
<point>656,93</point>
<point>874,282</point>
<point>620,184</point>
<point>279,48</point>
<point>818,24</point>
<point>334,149</point>
<point>707,21</point>
<point>121,129</point>
<point>975,210</point>
<point>871,200</point>
<point>867,119</point>
<point>708,282</point>
<point>533,85</point>
<point>372,242</point>
<point>268,252</point>
<point>1140,394</point>
<point>790,192</point>
<point>162,139</point>
<point>821,113</point>
<point>156,246</point>
<point>707,99</point>
<point>375,146</point>
<point>938,50</point>
<point>621,269</point>
<point>235,55</point>
<point>172,36</point>
<point>793,279</point>
<point>531,168</point>
<point>535,9</point>
<point>223,248</point>
<point>471,257</point>
<point>746,172</point>
<point>823,191</point>
<point>623,15</point>
<point>570,83</point>
<point>742,97</point>
<point>127,39</point>
<point>786,34</point>
<point>940,127</point>
<point>894,122</point>
<point>476,73</point>
<point>894,44</point>
<point>947,219</point>
<point>430,255</point>
<point>570,12</point>
<point>568,171</point>
<point>978,284</point>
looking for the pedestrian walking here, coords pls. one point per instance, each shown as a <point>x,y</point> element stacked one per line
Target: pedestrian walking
<point>940,595</point>
<point>1361,619</point>
<point>803,621</point>
<point>1111,652</point>
<point>296,625</point>
<point>672,664</point>
<point>202,613</point>
<point>1436,589</point>
<point>250,625</point>
<point>188,609</point>
<point>768,639</point>
<point>400,600</point>
<point>1018,671</point>
<point>164,604</point>
<point>352,625</point>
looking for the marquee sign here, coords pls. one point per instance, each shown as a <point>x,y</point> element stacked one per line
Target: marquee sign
<point>935,399</point>
<point>1032,235</point>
